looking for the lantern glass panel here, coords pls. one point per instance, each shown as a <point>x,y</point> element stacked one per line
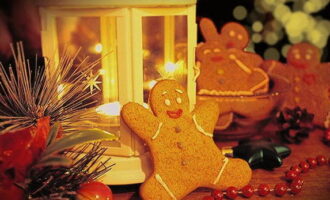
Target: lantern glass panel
<point>96,38</point>
<point>164,42</point>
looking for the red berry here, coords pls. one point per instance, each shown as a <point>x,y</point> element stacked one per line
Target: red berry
<point>208,198</point>
<point>290,175</point>
<point>217,194</point>
<point>296,168</point>
<point>247,191</point>
<point>298,181</point>
<point>280,189</point>
<point>232,192</point>
<point>312,162</point>
<point>321,160</point>
<point>304,166</point>
<point>263,189</point>
<point>295,187</point>
<point>94,190</point>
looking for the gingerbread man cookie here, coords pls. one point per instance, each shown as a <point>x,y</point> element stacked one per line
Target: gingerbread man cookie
<point>309,79</point>
<point>184,154</point>
<point>225,68</point>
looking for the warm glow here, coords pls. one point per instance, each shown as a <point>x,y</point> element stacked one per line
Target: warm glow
<point>170,67</point>
<point>110,109</point>
<point>152,83</point>
<point>98,47</point>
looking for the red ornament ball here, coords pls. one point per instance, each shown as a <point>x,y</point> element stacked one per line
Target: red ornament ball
<point>280,189</point>
<point>247,191</point>
<point>304,166</point>
<point>94,190</point>
<point>263,189</point>
<point>217,194</point>
<point>231,192</point>
<point>312,162</point>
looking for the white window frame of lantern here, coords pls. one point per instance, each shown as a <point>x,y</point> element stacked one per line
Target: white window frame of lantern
<point>132,162</point>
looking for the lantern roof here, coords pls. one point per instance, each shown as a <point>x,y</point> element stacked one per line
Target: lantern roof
<point>114,3</point>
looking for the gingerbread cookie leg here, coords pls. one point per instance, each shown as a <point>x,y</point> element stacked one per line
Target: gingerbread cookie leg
<point>163,190</point>
<point>233,172</point>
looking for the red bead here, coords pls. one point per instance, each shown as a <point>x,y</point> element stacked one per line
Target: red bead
<point>217,194</point>
<point>298,181</point>
<point>280,189</point>
<point>247,191</point>
<point>304,166</point>
<point>295,187</point>
<point>290,175</point>
<point>296,168</point>
<point>208,198</point>
<point>312,162</point>
<point>321,160</point>
<point>231,192</point>
<point>263,189</point>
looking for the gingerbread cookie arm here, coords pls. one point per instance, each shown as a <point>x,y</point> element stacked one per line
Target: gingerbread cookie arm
<point>141,121</point>
<point>205,117</point>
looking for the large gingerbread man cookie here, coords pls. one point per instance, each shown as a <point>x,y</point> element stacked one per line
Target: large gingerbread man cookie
<point>184,154</point>
<point>225,68</point>
<point>309,79</point>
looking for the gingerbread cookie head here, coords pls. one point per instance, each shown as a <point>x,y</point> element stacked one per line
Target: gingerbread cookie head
<point>169,100</point>
<point>303,55</point>
<point>234,35</point>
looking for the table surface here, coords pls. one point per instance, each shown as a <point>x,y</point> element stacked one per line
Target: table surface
<point>316,181</point>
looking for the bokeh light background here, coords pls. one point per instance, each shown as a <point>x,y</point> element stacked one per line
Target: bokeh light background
<point>274,25</point>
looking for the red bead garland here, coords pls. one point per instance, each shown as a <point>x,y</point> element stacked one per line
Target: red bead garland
<point>293,176</point>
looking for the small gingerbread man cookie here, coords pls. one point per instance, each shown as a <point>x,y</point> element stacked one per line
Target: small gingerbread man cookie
<point>184,154</point>
<point>225,68</point>
<point>309,79</point>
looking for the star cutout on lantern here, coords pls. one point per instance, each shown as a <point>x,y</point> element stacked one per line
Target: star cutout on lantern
<point>261,153</point>
<point>92,82</point>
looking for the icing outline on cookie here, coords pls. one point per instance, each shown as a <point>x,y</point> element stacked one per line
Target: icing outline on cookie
<point>158,131</point>
<point>225,162</point>
<point>199,128</point>
<point>240,64</point>
<point>160,180</point>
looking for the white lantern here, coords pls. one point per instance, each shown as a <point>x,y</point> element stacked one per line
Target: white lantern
<point>140,42</point>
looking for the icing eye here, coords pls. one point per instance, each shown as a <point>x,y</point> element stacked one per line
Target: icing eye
<point>178,100</point>
<point>167,102</point>
<point>308,56</point>
<point>240,37</point>
<point>216,50</point>
<point>232,33</point>
<point>206,51</point>
<point>297,56</point>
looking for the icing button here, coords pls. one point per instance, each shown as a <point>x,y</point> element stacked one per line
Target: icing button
<point>183,163</point>
<point>221,81</point>
<point>296,89</point>
<point>177,129</point>
<point>179,145</point>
